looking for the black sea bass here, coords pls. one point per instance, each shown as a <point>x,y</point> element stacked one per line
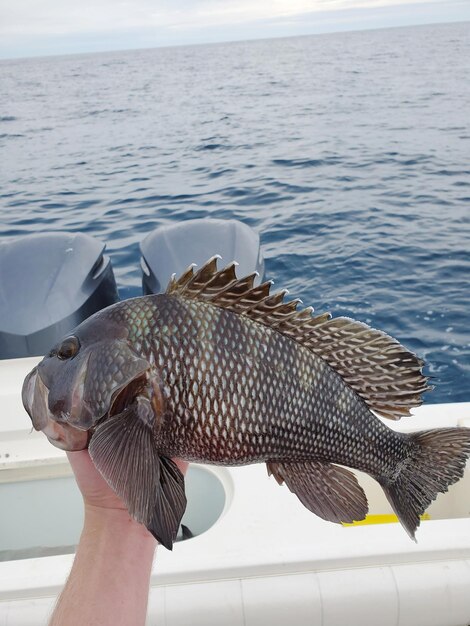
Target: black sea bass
<point>219,371</point>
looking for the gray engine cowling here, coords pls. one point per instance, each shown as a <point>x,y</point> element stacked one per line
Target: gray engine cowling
<point>171,249</point>
<point>49,283</point>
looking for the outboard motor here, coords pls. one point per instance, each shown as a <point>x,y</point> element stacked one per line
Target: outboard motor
<point>171,250</point>
<point>49,283</point>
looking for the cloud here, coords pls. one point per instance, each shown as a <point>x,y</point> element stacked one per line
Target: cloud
<point>59,17</point>
<point>31,28</point>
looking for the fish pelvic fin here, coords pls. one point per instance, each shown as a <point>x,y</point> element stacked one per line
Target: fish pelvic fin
<point>329,491</point>
<point>122,448</point>
<point>386,375</point>
<point>437,460</point>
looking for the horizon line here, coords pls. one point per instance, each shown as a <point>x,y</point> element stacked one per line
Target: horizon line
<point>232,41</point>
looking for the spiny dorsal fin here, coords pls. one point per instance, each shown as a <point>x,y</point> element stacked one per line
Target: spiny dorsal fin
<point>385,374</point>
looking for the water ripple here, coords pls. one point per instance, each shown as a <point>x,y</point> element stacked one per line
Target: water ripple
<point>348,153</point>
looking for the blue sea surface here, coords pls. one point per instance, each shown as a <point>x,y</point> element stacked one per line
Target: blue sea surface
<point>349,153</point>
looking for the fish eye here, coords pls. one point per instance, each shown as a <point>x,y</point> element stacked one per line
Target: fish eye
<point>68,348</point>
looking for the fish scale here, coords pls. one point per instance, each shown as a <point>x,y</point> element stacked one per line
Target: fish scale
<point>218,370</point>
<point>285,391</point>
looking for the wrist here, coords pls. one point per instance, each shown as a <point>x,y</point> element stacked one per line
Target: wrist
<point>111,571</point>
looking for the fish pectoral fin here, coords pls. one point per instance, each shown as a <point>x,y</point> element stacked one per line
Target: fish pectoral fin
<point>170,504</point>
<point>329,491</point>
<point>123,451</point>
<point>152,487</point>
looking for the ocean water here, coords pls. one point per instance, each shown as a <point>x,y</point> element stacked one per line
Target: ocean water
<point>349,154</point>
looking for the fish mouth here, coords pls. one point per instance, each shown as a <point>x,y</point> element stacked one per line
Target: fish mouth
<point>35,396</point>
<point>72,430</point>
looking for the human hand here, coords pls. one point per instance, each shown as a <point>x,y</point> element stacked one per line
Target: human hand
<point>97,494</point>
<point>110,576</point>
<point>95,490</point>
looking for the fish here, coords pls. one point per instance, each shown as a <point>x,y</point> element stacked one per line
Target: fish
<point>220,370</point>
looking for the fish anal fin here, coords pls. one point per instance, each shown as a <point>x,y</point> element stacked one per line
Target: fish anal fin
<point>170,504</point>
<point>329,491</point>
<point>387,376</point>
<point>123,450</point>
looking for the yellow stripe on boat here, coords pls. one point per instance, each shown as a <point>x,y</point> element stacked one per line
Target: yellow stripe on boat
<point>382,519</point>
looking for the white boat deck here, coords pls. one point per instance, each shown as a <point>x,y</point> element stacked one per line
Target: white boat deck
<point>266,559</point>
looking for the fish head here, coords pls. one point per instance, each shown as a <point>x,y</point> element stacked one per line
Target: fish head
<point>92,373</point>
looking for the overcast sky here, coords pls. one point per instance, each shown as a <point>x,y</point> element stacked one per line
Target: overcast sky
<point>30,28</point>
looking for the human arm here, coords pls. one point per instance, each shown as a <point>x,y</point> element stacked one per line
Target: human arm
<point>109,580</point>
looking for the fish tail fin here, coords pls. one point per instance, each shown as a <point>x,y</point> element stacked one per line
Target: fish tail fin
<point>437,460</point>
